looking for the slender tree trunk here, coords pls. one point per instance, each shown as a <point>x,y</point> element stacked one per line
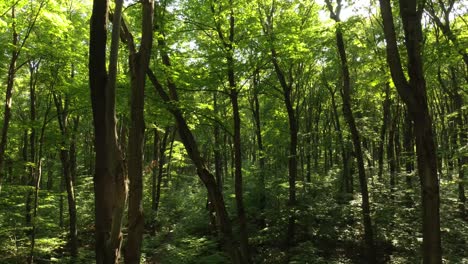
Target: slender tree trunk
<point>462,160</point>
<point>191,146</point>
<point>408,143</point>
<point>346,181</point>
<point>161,163</point>
<point>237,152</point>
<point>155,165</point>
<point>8,94</point>
<point>261,154</point>
<point>34,170</point>
<point>218,158</point>
<point>391,151</point>
<point>62,115</point>
<point>383,131</point>
<point>413,93</point>
<point>355,136</point>
<point>292,155</point>
<point>139,62</point>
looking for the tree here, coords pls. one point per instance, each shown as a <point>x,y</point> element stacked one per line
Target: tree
<point>355,135</point>
<point>139,62</point>
<point>110,173</point>
<point>413,93</point>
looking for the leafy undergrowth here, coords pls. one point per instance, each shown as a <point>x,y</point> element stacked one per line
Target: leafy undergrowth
<point>328,226</point>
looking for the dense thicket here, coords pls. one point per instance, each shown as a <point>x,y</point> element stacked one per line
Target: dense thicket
<point>233,131</point>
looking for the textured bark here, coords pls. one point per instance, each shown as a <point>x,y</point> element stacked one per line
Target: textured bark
<point>413,93</point>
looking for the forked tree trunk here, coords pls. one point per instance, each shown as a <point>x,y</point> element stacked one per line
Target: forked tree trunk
<point>139,62</point>
<point>110,173</point>
<point>191,146</point>
<point>413,93</point>
<point>215,196</point>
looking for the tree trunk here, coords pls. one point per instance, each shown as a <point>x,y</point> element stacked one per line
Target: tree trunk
<point>110,174</point>
<point>261,154</point>
<point>413,93</point>
<point>161,163</point>
<point>8,94</point>
<point>139,62</point>
<point>383,131</point>
<point>154,168</point>
<point>62,115</point>
<point>346,184</point>
<point>355,136</point>
<point>408,144</point>
<point>191,146</point>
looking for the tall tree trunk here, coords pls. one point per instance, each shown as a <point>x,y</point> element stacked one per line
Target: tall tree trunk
<point>110,186</point>
<point>37,180</point>
<point>161,163</point>
<point>383,131</point>
<point>139,62</point>
<point>237,151</point>
<point>355,136</point>
<point>208,179</point>
<point>391,151</point>
<point>8,94</point>
<point>346,174</point>
<point>261,154</point>
<point>408,144</point>
<point>413,93</point>
<point>292,155</point>
<point>218,157</point>
<point>33,169</point>
<point>191,146</point>
<point>154,168</point>
<point>63,116</point>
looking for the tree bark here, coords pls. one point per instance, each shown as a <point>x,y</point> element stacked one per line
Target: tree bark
<point>110,174</point>
<point>139,62</point>
<point>191,146</point>
<point>261,154</point>
<point>63,115</point>
<point>383,131</point>
<point>413,93</point>
<point>237,151</point>
<point>355,135</point>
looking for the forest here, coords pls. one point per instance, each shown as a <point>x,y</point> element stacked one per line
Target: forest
<point>233,131</point>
